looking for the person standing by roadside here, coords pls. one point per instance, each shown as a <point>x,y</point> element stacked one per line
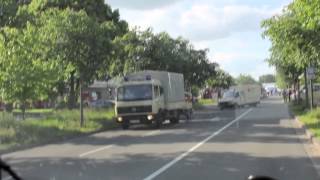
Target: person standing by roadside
<point>289,95</point>
<point>284,95</point>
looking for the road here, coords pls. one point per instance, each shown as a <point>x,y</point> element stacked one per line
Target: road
<point>216,145</point>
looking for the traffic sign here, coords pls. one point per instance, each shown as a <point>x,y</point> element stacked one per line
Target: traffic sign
<point>311,73</point>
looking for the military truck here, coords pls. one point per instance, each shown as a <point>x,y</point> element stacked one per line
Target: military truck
<point>151,97</point>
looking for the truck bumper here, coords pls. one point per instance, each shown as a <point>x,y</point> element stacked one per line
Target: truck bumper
<point>226,105</point>
<point>136,119</point>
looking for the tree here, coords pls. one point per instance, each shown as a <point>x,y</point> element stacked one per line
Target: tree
<point>23,74</point>
<point>267,78</point>
<point>281,79</point>
<point>245,79</point>
<point>295,39</point>
<point>141,50</point>
<point>221,80</point>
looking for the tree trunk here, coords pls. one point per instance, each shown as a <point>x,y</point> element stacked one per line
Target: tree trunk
<point>23,110</point>
<point>71,98</point>
<point>77,90</point>
<point>8,107</point>
<point>311,91</point>
<point>295,90</point>
<point>81,105</point>
<point>306,87</point>
<point>299,96</point>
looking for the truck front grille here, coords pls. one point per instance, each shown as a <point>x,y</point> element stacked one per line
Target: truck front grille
<point>134,109</point>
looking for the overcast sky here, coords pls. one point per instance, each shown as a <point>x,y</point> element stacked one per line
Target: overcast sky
<point>230,29</point>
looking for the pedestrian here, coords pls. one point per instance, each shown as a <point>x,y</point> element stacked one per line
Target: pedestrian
<point>289,94</point>
<point>219,93</point>
<point>284,95</point>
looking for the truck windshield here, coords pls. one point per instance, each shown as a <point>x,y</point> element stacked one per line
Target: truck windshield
<point>135,92</point>
<point>228,94</point>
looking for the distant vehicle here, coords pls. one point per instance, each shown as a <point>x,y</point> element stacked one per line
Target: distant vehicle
<point>150,97</point>
<point>263,93</point>
<point>101,103</point>
<point>242,95</point>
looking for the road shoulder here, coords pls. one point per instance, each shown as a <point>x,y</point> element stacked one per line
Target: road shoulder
<point>310,144</point>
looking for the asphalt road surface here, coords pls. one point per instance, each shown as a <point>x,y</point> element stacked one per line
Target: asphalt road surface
<point>228,144</point>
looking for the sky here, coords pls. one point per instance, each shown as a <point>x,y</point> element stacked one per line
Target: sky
<point>230,29</point>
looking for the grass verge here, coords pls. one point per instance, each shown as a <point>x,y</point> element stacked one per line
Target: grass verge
<point>202,102</point>
<point>311,119</point>
<point>46,110</point>
<point>58,125</point>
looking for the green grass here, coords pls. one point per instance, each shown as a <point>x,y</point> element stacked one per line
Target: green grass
<point>311,119</point>
<point>206,101</point>
<point>298,108</point>
<point>202,102</point>
<point>48,110</point>
<point>58,125</point>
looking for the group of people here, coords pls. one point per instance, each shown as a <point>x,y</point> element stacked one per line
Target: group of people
<point>286,94</point>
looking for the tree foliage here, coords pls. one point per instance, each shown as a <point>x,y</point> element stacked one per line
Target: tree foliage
<point>221,79</point>
<point>49,46</point>
<point>295,39</point>
<point>243,79</point>
<point>140,50</point>
<point>267,78</point>
<point>23,74</point>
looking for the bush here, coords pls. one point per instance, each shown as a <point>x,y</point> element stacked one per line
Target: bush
<point>61,105</point>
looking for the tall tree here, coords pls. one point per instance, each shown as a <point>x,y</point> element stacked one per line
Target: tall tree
<point>23,74</point>
<point>267,78</point>
<point>245,79</point>
<point>141,50</point>
<point>84,31</point>
<point>221,80</point>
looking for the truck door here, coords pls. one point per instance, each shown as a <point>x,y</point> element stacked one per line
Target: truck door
<point>158,97</point>
<point>242,98</point>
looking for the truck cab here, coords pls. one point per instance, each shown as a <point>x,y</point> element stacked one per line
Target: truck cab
<point>230,98</point>
<point>151,97</point>
<point>139,100</point>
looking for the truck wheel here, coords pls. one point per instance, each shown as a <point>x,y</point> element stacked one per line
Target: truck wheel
<point>125,126</point>
<point>174,120</point>
<point>189,115</point>
<point>158,124</point>
<point>158,121</point>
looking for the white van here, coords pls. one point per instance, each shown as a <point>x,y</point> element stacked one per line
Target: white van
<point>237,96</point>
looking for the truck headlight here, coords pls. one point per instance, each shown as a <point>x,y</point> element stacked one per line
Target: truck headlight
<point>120,119</point>
<point>150,117</point>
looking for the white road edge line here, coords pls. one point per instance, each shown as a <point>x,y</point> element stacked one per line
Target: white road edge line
<point>151,133</point>
<point>180,157</point>
<point>214,119</point>
<point>96,150</point>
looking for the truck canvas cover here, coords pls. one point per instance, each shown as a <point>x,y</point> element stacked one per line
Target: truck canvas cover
<point>172,83</point>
